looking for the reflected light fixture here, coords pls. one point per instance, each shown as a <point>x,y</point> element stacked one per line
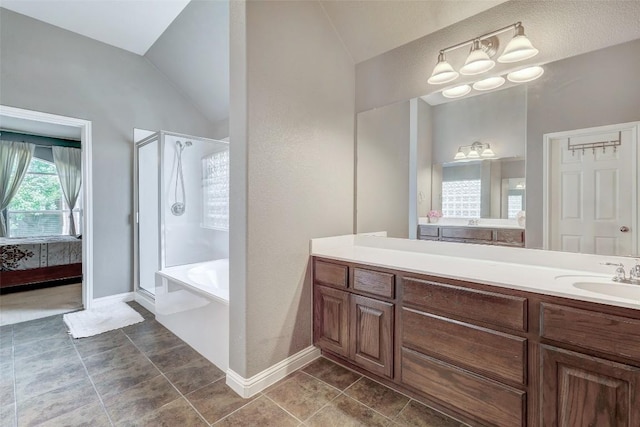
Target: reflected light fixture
<point>456,92</point>
<point>526,74</point>
<point>478,61</point>
<point>519,48</point>
<point>475,151</point>
<point>489,83</point>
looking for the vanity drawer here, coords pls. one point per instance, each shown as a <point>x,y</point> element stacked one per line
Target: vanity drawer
<point>588,329</point>
<point>374,282</point>
<point>483,399</point>
<point>481,350</point>
<point>429,230</point>
<point>511,237</point>
<point>466,233</point>
<point>330,274</point>
<point>486,307</point>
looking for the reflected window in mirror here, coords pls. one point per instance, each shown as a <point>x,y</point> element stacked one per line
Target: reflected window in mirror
<point>462,199</point>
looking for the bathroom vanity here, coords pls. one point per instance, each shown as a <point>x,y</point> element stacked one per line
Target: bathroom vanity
<point>490,343</point>
<point>504,236</point>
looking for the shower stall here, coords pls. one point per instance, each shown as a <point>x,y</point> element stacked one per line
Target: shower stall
<point>181,198</point>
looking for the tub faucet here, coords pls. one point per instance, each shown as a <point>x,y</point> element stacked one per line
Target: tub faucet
<point>634,273</point>
<point>474,221</point>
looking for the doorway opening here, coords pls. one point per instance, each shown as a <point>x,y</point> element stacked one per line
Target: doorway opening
<point>63,245</point>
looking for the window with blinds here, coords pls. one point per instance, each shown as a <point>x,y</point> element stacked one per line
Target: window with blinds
<point>215,191</point>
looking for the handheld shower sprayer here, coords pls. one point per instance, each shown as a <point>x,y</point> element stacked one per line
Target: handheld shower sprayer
<point>179,207</point>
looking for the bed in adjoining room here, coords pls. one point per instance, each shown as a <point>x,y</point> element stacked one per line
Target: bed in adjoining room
<point>37,260</point>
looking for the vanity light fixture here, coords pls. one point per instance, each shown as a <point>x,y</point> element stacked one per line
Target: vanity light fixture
<point>475,151</point>
<point>483,48</point>
<point>478,61</point>
<point>519,48</point>
<point>443,72</point>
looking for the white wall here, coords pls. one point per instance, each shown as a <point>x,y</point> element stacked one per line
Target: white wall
<point>45,68</point>
<point>292,130</point>
<point>186,240</point>
<point>382,202</point>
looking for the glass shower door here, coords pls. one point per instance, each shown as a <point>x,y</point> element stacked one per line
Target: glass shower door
<point>148,213</point>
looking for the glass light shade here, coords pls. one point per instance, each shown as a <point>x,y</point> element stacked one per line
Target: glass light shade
<point>518,49</point>
<point>473,154</point>
<point>490,83</point>
<point>477,62</point>
<point>488,152</point>
<point>442,73</point>
<point>459,155</point>
<point>526,74</point>
<point>456,92</point>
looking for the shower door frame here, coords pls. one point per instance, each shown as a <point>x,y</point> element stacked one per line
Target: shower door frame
<point>138,290</point>
<point>148,297</point>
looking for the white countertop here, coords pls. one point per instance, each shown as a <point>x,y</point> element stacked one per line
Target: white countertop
<point>426,258</point>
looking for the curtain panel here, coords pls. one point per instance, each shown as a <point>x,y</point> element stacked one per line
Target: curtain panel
<point>68,162</point>
<point>14,162</point>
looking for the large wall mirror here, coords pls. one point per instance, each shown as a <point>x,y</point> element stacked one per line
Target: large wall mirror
<point>546,171</point>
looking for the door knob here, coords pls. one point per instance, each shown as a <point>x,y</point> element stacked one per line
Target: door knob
<point>624,229</point>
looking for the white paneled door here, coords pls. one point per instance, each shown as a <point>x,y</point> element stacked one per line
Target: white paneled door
<point>592,192</point>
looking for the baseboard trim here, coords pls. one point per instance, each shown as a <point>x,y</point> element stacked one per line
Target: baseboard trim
<point>247,387</point>
<point>123,297</point>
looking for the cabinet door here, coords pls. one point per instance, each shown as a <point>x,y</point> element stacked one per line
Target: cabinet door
<point>371,334</point>
<point>331,319</point>
<point>579,390</point>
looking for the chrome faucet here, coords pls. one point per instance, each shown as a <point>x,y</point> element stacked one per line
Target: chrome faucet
<point>634,273</point>
<point>620,275</point>
<point>474,221</point>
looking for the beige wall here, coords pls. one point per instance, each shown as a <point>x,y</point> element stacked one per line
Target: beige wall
<point>559,29</point>
<point>292,133</point>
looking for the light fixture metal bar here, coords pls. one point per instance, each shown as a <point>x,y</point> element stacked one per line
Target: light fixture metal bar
<point>482,37</point>
<point>594,145</point>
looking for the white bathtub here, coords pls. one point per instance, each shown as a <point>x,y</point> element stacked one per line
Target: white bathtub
<point>192,301</point>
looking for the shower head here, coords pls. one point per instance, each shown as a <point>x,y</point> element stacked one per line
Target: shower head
<point>183,146</point>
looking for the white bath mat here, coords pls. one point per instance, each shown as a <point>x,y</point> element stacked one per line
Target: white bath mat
<point>87,323</point>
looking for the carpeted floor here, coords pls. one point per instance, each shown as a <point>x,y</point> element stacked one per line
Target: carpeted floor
<point>29,305</point>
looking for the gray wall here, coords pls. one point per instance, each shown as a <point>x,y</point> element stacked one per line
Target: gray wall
<point>383,170</point>
<point>498,118</point>
<point>559,29</point>
<point>45,68</point>
<point>594,89</point>
<point>292,132</point>
<point>193,52</point>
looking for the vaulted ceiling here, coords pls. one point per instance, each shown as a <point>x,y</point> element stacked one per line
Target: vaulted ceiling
<point>188,41</point>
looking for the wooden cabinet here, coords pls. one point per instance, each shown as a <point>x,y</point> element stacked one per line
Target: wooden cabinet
<point>472,234</point>
<point>372,334</point>
<point>352,325</point>
<point>486,355</point>
<point>331,319</point>
<point>579,390</point>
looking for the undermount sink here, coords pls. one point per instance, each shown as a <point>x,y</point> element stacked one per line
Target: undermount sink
<point>602,285</point>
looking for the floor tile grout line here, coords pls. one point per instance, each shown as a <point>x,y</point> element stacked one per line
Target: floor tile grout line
<point>253,399</point>
<point>403,408</point>
<point>322,407</point>
<point>326,383</point>
<point>281,407</point>
<point>104,407</point>
<point>169,381</point>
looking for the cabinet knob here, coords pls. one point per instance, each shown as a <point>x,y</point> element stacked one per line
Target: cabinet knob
<point>624,229</point>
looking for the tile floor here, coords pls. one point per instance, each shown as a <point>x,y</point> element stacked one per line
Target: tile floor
<point>143,375</point>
